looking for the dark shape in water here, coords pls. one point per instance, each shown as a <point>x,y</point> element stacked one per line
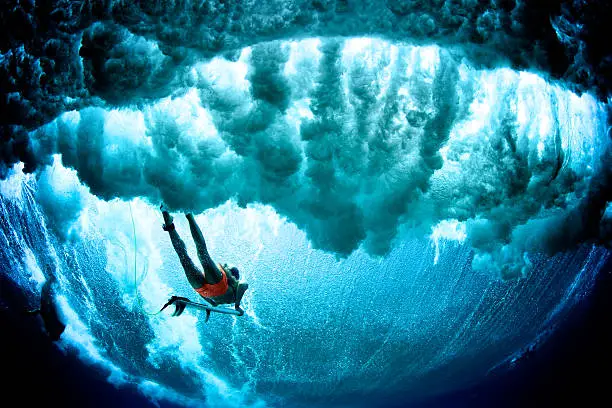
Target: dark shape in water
<point>49,310</point>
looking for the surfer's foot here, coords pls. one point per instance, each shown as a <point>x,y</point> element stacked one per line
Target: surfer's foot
<point>168,219</point>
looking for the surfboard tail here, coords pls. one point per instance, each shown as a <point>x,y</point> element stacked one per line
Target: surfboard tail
<point>179,305</point>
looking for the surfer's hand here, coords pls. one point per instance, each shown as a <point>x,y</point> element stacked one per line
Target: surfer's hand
<point>239,310</point>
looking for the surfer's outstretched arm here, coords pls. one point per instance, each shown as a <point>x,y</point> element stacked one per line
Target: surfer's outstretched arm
<point>242,287</point>
<point>212,302</point>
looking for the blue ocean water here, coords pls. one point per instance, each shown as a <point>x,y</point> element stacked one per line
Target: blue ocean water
<point>418,194</point>
<point>317,333</point>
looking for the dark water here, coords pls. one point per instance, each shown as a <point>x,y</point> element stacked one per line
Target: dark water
<point>571,366</point>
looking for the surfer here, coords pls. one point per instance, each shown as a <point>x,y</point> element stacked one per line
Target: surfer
<point>217,284</point>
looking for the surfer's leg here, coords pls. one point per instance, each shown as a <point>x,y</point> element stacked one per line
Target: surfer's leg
<point>212,274</point>
<point>194,275</point>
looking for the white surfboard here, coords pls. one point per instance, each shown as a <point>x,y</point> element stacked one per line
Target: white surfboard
<point>180,303</point>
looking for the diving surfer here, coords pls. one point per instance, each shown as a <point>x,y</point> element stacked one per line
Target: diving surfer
<point>217,284</point>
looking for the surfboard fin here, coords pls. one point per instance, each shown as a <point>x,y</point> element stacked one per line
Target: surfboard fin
<point>180,308</point>
<point>179,305</point>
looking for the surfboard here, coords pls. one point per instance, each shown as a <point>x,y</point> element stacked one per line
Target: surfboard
<point>180,303</point>
<point>206,306</point>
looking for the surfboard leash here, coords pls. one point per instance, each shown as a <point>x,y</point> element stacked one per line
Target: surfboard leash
<point>136,284</point>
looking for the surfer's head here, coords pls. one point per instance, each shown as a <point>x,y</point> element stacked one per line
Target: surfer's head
<point>233,270</point>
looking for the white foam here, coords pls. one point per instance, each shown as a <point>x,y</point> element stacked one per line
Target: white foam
<point>450,230</point>
<point>33,268</point>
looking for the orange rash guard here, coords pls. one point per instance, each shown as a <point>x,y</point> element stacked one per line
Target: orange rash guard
<point>217,289</point>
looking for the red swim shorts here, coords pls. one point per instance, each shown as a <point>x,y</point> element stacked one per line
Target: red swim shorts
<point>218,289</point>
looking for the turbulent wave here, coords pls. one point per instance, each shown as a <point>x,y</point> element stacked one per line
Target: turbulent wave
<point>355,141</point>
<point>58,55</point>
<point>413,190</point>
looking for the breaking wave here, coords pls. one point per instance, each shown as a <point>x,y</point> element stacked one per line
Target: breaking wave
<point>414,192</point>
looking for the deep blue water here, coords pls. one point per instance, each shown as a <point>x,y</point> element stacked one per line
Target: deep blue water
<point>567,367</point>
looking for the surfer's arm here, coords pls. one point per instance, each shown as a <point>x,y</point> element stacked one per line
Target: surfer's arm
<point>212,302</point>
<point>242,287</point>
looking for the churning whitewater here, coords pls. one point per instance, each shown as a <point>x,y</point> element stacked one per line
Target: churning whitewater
<point>412,207</point>
<point>353,141</point>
